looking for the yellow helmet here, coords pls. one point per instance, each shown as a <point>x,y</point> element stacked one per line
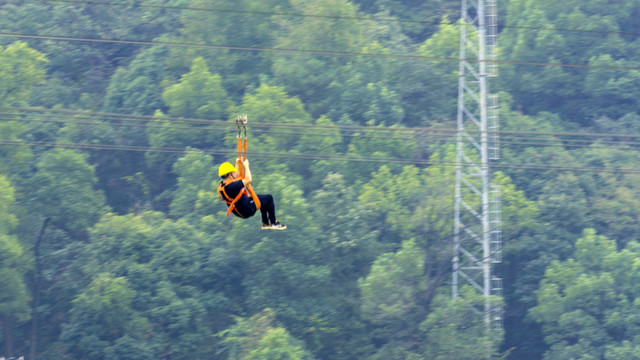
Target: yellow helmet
<point>225,168</point>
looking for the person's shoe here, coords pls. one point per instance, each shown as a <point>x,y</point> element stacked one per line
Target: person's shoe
<point>266,226</point>
<point>278,226</point>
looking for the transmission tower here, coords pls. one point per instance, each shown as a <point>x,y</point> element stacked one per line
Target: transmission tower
<point>477,240</point>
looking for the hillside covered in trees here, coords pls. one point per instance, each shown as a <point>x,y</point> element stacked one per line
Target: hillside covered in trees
<point>116,114</point>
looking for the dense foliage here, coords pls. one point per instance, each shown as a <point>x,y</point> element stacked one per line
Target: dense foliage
<point>114,244</point>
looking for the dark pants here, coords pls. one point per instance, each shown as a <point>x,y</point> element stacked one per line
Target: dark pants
<point>267,208</point>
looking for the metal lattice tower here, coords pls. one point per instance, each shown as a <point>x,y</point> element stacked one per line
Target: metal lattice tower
<point>477,242</point>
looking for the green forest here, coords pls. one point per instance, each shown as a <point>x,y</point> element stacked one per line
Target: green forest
<point>114,117</point>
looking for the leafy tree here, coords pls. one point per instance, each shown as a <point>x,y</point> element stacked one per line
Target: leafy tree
<point>62,189</point>
<point>420,17</point>
<point>608,193</point>
<point>15,159</point>
<point>284,270</point>
<point>116,171</point>
<point>374,144</point>
<point>548,87</point>
<point>325,140</point>
<point>199,94</point>
<point>271,104</point>
<point>80,69</point>
<point>627,123</point>
<point>416,204</point>
<point>136,88</point>
<point>109,299</point>
<point>138,285</point>
<point>275,345</point>
<point>617,86</point>
<point>8,221</point>
<point>120,242</point>
<point>182,280</point>
<point>392,196</point>
<point>526,252</point>
<point>195,172</point>
<point>442,75</point>
<point>249,27</point>
<point>532,236</point>
<point>560,198</point>
<point>308,76</point>
<point>103,319</point>
<point>350,241</point>
<point>349,244</point>
<point>587,304</point>
<point>532,181</point>
<point>390,295</point>
<point>14,262</point>
<point>260,337</point>
<point>57,278</point>
<point>364,91</point>
<point>22,68</point>
<point>128,347</point>
<point>455,329</point>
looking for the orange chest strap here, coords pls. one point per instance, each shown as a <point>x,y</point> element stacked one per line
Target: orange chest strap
<point>227,199</point>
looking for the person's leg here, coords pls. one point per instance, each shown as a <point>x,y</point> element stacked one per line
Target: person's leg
<point>267,209</point>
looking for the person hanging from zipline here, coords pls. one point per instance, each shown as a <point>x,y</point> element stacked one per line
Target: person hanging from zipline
<point>232,191</point>
<point>236,191</point>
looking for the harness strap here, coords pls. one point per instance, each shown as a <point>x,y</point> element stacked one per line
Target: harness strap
<point>227,199</point>
<point>248,189</point>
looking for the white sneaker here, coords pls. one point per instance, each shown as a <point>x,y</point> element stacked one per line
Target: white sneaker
<point>277,226</point>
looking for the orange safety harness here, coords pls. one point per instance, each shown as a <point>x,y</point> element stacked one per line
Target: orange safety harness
<point>241,122</point>
<point>228,200</point>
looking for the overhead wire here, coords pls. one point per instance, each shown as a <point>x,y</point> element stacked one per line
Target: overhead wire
<point>321,16</point>
<point>163,125</point>
<point>290,155</point>
<point>188,120</point>
<point>527,142</point>
<point>17,110</point>
<point>301,51</point>
<point>148,121</point>
<point>405,134</point>
<point>432,134</point>
<point>215,152</point>
<point>321,157</point>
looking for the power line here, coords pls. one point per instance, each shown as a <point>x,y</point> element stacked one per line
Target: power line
<point>436,135</point>
<point>147,118</point>
<point>333,17</point>
<point>414,136</point>
<point>386,160</point>
<point>72,145</point>
<point>387,133</point>
<point>300,51</point>
<point>199,128</point>
<point>444,133</point>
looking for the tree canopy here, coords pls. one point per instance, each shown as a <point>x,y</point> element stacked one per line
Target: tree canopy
<point>114,117</point>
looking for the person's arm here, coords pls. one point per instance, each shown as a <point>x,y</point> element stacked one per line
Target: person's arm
<point>247,173</point>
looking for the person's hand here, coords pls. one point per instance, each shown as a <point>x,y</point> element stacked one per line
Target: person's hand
<point>246,163</point>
